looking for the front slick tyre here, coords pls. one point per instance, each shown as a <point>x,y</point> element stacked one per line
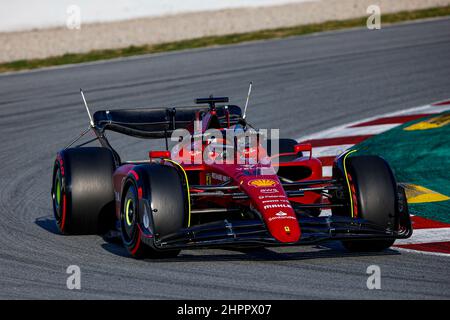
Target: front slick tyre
<point>374,194</point>
<point>130,231</point>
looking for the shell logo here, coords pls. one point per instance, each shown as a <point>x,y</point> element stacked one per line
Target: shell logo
<point>262,183</point>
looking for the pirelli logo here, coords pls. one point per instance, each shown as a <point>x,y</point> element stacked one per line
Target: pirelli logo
<point>277,206</point>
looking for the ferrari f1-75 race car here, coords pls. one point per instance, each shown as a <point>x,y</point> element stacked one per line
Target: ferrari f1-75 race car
<point>223,184</point>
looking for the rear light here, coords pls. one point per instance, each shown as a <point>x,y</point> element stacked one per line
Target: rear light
<point>303,147</point>
<point>159,154</point>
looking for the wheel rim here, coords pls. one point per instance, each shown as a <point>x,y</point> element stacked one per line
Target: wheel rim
<point>57,193</point>
<point>129,212</point>
<point>129,215</point>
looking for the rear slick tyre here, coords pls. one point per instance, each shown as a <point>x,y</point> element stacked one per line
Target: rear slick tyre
<point>82,190</point>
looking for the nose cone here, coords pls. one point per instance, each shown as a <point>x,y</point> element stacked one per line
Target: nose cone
<point>284,229</point>
<point>268,196</point>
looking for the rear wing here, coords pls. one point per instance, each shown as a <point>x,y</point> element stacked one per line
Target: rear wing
<point>158,122</point>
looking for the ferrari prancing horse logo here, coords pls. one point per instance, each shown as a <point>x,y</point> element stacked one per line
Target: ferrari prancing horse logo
<point>262,183</point>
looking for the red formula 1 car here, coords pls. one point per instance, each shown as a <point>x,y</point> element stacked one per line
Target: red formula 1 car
<point>216,189</point>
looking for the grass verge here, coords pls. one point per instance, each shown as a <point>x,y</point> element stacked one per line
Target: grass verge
<point>72,58</point>
<point>420,159</point>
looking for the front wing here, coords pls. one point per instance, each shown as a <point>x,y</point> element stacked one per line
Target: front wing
<point>254,233</point>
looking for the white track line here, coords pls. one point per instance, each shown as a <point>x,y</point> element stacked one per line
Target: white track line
<point>427,236</point>
<point>327,171</point>
<point>330,150</point>
<point>347,131</point>
<point>430,253</point>
<point>416,110</point>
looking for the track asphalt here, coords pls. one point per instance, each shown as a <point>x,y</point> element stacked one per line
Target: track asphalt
<point>301,85</point>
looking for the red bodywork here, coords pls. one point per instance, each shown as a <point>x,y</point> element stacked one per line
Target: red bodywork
<point>265,191</point>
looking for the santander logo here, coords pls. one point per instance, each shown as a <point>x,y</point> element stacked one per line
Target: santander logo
<point>281,216</point>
